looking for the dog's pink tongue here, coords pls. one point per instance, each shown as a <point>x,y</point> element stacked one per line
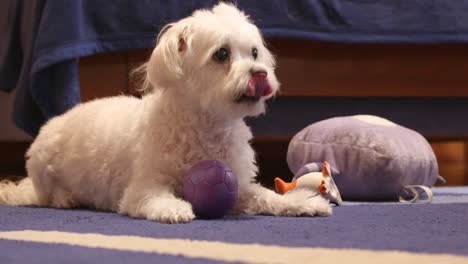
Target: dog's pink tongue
<point>259,86</point>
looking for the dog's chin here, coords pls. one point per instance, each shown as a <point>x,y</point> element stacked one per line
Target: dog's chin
<point>250,105</point>
<point>244,99</point>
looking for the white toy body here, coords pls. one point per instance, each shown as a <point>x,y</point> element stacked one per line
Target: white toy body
<point>317,181</point>
<point>314,180</point>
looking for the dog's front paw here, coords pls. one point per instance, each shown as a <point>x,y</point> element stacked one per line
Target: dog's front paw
<point>169,211</point>
<point>302,202</point>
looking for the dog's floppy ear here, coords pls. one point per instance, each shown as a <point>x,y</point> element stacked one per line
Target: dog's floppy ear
<point>165,65</point>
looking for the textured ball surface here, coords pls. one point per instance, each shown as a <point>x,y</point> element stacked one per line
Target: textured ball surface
<point>211,188</point>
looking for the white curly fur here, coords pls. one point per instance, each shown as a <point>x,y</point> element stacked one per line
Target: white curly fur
<point>130,155</point>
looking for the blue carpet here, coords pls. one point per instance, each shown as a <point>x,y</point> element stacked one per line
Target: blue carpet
<point>423,228</point>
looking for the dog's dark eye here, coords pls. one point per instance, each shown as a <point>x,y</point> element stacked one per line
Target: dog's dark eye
<point>221,55</point>
<point>254,53</point>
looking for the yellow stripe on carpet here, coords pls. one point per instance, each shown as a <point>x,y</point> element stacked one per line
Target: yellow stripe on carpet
<point>230,252</point>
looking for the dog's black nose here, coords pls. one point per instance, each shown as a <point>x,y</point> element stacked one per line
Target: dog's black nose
<point>255,72</point>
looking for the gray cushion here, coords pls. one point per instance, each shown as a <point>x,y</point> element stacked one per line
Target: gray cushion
<point>374,157</point>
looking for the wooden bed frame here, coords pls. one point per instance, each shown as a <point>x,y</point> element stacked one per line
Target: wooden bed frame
<point>311,68</point>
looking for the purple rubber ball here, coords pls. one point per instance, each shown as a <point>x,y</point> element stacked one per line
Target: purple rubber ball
<point>211,188</point>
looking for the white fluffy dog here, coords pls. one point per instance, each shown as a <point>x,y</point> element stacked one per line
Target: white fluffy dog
<point>208,71</point>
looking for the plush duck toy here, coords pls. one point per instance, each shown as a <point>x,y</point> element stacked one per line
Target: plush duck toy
<point>320,181</point>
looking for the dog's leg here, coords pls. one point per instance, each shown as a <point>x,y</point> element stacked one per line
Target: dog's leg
<point>22,193</point>
<point>156,203</point>
<point>255,199</point>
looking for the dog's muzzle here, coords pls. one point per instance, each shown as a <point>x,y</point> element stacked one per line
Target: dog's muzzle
<point>258,86</point>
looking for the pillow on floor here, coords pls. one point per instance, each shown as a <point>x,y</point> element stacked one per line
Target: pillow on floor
<point>374,157</point>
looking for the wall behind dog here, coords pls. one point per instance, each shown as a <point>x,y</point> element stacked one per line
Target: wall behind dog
<point>8,130</point>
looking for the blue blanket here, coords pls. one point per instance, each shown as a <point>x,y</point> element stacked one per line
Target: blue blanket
<point>359,232</point>
<point>43,39</point>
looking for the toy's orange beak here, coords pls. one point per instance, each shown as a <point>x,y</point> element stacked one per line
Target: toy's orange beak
<point>283,187</point>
